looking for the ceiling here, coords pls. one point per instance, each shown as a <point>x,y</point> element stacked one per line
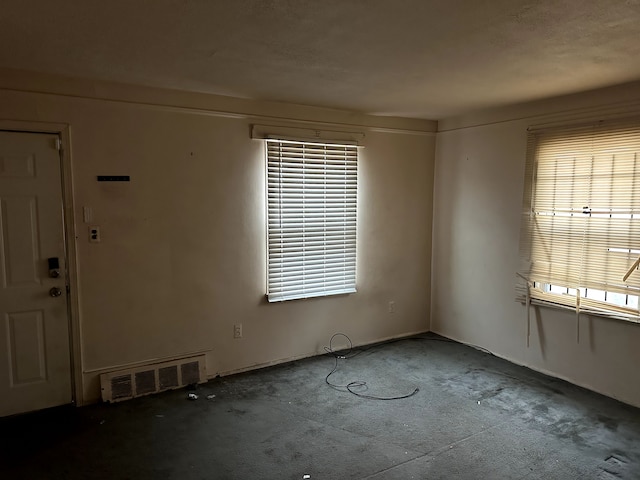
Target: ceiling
<point>416,58</point>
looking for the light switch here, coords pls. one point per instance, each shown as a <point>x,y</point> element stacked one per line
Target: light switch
<point>94,234</point>
<point>87,214</point>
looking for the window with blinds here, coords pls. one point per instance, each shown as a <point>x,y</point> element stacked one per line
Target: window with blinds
<point>311,219</point>
<point>580,235</point>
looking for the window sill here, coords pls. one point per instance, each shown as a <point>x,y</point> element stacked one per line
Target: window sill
<point>309,296</point>
<point>591,312</point>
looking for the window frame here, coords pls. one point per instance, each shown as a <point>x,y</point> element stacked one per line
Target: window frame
<point>305,259</point>
<point>580,292</point>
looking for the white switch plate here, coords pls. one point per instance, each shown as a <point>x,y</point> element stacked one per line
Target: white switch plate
<point>94,234</point>
<point>87,214</point>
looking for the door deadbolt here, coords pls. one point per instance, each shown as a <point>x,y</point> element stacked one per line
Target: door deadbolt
<point>54,267</point>
<point>55,292</point>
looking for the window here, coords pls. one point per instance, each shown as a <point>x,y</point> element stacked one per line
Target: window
<point>580,235</point>
<point>311,219</point>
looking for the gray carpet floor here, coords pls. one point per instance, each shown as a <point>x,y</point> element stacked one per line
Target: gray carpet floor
<point>474,416</point>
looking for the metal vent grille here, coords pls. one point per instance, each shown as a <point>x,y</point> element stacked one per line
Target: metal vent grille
<point>121,386</point>
<point>145,382</point>
<point>152,378</point>
<point>190,373</point>
<point>168,377</point>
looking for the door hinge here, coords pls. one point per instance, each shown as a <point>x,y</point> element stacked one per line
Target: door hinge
<point>58,144</point>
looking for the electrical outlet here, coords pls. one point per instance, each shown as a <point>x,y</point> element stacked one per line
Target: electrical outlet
<point>237,330</point>
<point>94,234</point>
<point>392,307</point>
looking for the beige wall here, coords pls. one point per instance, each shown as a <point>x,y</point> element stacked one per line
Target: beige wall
<point>477,203</point>
<point>182,257</point>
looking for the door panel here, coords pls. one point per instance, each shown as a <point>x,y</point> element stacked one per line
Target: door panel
<point>35,369</point>
<point>18,216</point>
<point>26,347</point>
<point>17,165</point>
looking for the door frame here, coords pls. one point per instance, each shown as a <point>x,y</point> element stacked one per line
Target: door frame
<point>69,229</point>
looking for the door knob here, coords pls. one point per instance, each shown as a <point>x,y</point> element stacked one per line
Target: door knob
<point>55,292</point>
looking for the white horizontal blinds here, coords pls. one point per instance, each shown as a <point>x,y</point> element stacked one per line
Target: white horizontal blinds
<point>581,221</point>
<point>312,195</point>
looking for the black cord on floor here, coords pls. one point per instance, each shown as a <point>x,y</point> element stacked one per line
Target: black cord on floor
<point>358,384</point>
<point>350,353</point>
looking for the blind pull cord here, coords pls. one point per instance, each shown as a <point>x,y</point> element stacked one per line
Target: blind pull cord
<point>527,305</point>
<point>577,315</point>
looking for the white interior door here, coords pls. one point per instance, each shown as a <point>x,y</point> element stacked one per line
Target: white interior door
<point>35,369</point>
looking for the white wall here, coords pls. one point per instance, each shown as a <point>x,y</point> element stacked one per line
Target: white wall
<point>182,257</point>
<point>477,203</point>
